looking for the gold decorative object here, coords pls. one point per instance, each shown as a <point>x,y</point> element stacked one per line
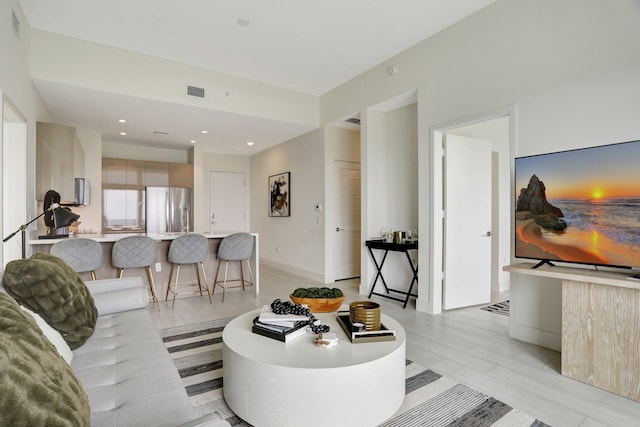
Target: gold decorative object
<point>367,312</point>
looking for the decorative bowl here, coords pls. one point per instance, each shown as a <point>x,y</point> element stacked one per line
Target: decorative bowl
<point>320,305</point>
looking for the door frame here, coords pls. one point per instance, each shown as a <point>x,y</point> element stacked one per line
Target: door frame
<point>15,204</point>
<point>436,244</point>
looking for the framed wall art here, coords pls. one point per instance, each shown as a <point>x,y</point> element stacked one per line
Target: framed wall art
<point>280,194</point>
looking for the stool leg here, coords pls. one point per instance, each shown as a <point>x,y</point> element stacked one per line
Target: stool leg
<point>252,283</point>
<point>241,274</point>
<point>119,273</point>
<point>93,275</point>
<point>206,284</point>
<point>152,285</point>
<point>175,287</point>
<point>198,278</point>
<point>215,281</point>
<point>224,287</point>
<point>166,297</point>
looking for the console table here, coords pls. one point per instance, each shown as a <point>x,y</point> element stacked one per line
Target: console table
<point>600,332</point>
<point>394,247</point>
<point>273,383</point>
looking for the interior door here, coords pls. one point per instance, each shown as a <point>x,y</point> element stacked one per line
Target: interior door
<point>226,202</point>
<point>467,222</point>
<point>346,218</point>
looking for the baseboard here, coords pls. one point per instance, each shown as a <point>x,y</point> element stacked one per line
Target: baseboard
<point>297,271</point>
<point>535,336</point>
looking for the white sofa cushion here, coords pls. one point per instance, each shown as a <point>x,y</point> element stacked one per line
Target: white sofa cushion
<point>129,376</point>
<point>52,335</point>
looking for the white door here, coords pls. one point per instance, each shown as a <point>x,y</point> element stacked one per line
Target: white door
<point>467,230</point>
<point>226,202</point>
<point>346,220</point>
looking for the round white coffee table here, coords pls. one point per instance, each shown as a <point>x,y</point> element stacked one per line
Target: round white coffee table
<point>273,383</point>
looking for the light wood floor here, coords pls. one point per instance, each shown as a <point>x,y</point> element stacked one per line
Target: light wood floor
<point>469,344</point>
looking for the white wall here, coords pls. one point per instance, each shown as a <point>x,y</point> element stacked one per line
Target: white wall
<point>569,68</point>
<point>295,243</point>
<point>17,89</point>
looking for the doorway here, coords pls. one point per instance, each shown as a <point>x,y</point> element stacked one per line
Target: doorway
<point>496,127</point>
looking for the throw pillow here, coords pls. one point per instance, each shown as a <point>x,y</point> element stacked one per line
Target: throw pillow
<point>48,286</point>
<point>38,387</point>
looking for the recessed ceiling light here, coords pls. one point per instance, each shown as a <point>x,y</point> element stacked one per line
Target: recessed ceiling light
<point>160,132</point>
<point>204,131</point>
<point>122,121</point>
<point>123,133</point>
<point>193,141</point>
<point>250,143</point>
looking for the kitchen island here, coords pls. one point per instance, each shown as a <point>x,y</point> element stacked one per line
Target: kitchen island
<point>162,267</point>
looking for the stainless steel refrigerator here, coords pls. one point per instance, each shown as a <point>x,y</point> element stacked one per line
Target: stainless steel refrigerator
<point>168,210</point>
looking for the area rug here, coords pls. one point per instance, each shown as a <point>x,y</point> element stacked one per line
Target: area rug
<point>498,308</point>
<point>431,399</point>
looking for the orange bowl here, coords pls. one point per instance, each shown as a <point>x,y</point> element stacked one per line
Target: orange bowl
<point>320,305</point>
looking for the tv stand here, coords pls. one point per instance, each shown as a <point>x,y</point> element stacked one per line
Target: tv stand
<point>600,333</point>
<point>543,262</point>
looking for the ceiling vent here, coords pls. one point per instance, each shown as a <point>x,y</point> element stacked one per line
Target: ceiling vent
<point>353,120</point>
<point>195,91</point>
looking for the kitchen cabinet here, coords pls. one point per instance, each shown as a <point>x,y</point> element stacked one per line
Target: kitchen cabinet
<point>59,159</point>
<point>157,174</point>
<point>123,195</point>
<point>181,175</point>
<point>123,190</point>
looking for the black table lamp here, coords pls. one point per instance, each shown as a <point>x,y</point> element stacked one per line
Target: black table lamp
<point>61,218</point>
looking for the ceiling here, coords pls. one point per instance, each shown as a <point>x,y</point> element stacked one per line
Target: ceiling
<point>310,47</point>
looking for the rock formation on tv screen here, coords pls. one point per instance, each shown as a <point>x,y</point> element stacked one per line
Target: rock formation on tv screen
<point>533,199</point>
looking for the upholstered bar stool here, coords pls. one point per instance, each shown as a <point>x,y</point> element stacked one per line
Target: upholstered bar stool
<point>136,252</point>
<point>188,249</point>
<point>83,255</point>
<point>234,247</point>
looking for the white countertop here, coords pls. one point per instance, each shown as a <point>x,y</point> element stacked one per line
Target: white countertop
<point>108,238</point>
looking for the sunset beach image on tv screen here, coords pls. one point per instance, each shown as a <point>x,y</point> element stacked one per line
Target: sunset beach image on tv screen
<point>580,206</point>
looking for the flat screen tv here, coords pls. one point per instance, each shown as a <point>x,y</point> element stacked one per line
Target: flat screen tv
<point>580,206</point>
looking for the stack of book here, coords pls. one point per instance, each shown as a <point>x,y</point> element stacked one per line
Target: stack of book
<point>281,327</point>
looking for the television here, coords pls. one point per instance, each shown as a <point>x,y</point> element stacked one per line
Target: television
<point>580,206</point>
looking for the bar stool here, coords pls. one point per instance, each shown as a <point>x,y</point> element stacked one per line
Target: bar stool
<point>188,249</point>
<point>136,252</point>
<point>234,247</point>
<point>83,255</point>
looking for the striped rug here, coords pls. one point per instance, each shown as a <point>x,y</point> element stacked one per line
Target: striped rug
<point>498,308</point>
<point>431,399</point>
